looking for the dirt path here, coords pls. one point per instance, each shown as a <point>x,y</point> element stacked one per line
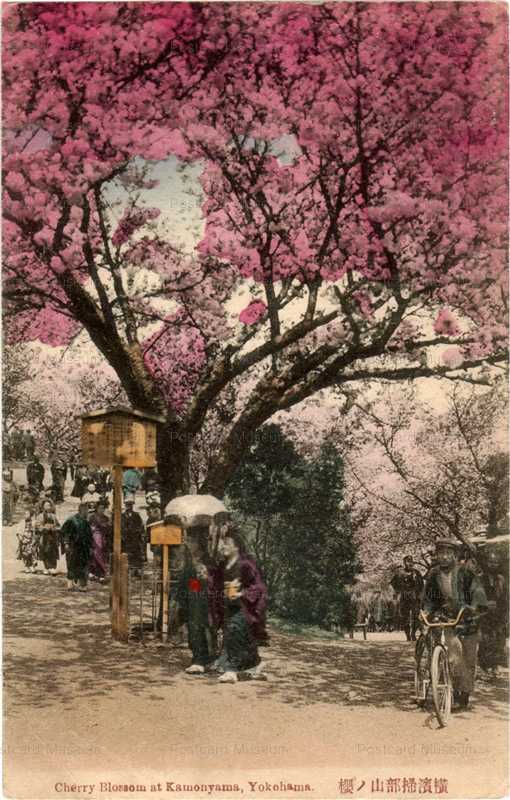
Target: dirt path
<point>81,710</point>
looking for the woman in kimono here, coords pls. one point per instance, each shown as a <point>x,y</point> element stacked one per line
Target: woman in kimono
<point>28,542</point>
<point>100,525</point>
<point>245,602</point>
<point>48,529</point>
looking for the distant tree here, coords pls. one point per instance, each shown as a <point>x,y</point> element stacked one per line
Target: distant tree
<point>264,491</point>
<point>424,474</point>
<point>320,553</point>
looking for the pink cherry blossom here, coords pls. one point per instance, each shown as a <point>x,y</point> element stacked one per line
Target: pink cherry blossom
<point>252,313</point>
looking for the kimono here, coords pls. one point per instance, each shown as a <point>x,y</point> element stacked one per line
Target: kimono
<point>9,499</point>
<point>81,481</point>
<point>100,526</point>
<point>464,589</point>
<point>192,598</point>
<point>35,475</point>
<point>48,529</point>
<point>77,538</point>
<point>243,617</point>
<point>133,538</point>
<point>28,543</point>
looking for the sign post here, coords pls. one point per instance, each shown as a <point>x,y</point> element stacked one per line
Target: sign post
<point>165,535</point>
<point>119,437</point>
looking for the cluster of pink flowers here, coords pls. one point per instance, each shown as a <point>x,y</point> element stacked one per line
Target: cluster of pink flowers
<point>253,312</point>
<point>131,222</point>
<point>445,324</point>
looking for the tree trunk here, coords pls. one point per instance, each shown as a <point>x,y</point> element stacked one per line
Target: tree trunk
<point>173,462</point>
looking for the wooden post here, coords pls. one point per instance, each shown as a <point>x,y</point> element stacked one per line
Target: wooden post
<point>164,631</point>
<point>124,598</point>
<point>117,545</point>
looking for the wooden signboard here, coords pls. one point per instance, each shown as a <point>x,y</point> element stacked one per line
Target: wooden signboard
<point>119,436</point>
<point>165,534</point>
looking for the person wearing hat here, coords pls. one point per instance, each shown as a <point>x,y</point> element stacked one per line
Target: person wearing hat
<point>76,537</point>
<point>133,535</point>
<point>449,587</point>
<point>407,584</point>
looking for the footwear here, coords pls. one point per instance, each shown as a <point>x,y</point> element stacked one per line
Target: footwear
<point>195,669</point>
<point>45,572</point>
<point>82,588</point>
<point>70,585</point>
<point>256,673</point>
<point>228,677</point>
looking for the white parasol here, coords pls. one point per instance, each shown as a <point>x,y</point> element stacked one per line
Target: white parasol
<point>192,510</point>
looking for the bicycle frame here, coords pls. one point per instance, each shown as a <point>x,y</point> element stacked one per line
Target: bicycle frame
<point>432,645</point>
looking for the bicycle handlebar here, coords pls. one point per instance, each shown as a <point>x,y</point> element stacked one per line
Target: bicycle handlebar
<point>449,624</point>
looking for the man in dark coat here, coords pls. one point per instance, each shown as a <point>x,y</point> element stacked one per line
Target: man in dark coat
<point>408,585</point>
<point>76,537</point>
<point>449,587</point>
<point>133,536</point>
<point>58,474</point>
<point>35,474</point>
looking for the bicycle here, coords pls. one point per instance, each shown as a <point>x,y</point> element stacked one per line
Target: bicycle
<point>432,670</point>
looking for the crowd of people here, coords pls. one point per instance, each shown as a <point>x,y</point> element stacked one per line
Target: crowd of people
<point>86,537</point>
<point>220,588</point>
<point>218,594</point>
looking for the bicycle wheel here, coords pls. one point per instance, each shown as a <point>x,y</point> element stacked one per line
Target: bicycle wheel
<point>421,672</point>
<point>441,685</point>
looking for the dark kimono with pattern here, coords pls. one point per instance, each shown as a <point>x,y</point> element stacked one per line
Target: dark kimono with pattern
<point>244,617</point>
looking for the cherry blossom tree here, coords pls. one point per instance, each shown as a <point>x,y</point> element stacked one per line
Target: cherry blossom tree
<point>431,474</point>
<point>48,394</point>
<point>352,191</point>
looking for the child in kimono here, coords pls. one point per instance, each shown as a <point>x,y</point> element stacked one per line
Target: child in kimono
<point>28,542</point>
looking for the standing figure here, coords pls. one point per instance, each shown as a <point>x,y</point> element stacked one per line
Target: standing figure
<point>494,632</point>
<point>10,496</point>
<point>100,525</point>
<point>81,479</point>
<point>192,594</point>
<point>71,460</point>
<point>448,588</point>
<point>58,475</point>
<point>245,601</point>
<point>408,585</point>
<point>35,475</point>
<point>48,528</point>
<point>28,445</point>
<point>133,536</point>
<point>77,542</point>
<point>28,542</point>
<point>153,502</point>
